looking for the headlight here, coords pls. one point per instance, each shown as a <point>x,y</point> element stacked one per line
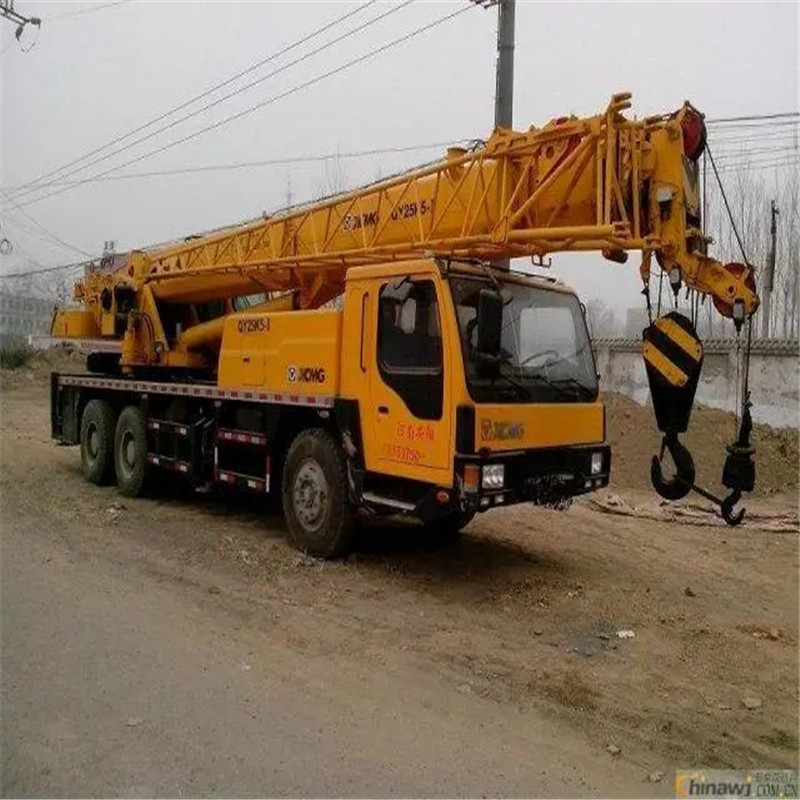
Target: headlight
<point>597,463</point>
<point>493,476</point>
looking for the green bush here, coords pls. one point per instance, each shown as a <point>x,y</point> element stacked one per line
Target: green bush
<point>15,356</point>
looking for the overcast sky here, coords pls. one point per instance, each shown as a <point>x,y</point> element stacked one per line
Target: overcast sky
<point>93,76</point>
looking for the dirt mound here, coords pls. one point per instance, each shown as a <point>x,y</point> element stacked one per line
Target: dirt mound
<point>62,358</point>
<point>634,439</point>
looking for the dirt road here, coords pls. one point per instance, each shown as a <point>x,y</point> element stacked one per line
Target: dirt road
<point>179,646</point>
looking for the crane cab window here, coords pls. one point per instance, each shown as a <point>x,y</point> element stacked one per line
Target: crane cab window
<point>410,345</point>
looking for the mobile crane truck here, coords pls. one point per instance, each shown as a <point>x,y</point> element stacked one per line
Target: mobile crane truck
<point>435,386</point>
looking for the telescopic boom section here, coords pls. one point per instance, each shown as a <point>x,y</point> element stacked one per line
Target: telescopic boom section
<point>603,183</point>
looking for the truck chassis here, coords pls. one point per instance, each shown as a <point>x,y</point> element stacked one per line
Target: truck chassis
<point>305,448</point>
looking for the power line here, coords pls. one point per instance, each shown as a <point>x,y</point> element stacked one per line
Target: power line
<point>222,99</point>
<point>751,117</point>
<point>747,152</point>
<point>265,162</point>
<point>44,270</point>
<point>764,125</point>
<point>760,166</point>
<point>755,127</point>
<point>256,219</point>
<point>262,104</point>
<point>49,234</point>
<point>195,98</point>
<point>767,136</point>
<point>28,229</point>
<point>88,10</point>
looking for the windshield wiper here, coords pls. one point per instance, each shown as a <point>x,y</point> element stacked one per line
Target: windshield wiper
<point>521,388</point>
<point>584,389</point>
<point>557,360</point>
<point>554,384</point>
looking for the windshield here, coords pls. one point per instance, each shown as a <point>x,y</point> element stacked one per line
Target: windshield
<point>546,355</point>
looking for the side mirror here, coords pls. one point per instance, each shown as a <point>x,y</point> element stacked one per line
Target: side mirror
<point>490,321</point>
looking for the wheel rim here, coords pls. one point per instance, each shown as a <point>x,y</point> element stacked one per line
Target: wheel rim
<point>310,496</point>
<point>128,454</point>
<point>92,441</point>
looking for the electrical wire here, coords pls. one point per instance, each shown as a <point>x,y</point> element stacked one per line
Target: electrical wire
<point>203,94</point>
<point>275,98</point>
<point>743,152</point>
<point>308,159</point>
<point>751,117</point>
<point>32,232</point>
<point>767,136</point>
<point>47,233</point>
<point>754,126</point>
<point>760,166</point>
<point>88,10</point>
<point>229,226</point>
<point>223,99</point>
<point>44,270</point>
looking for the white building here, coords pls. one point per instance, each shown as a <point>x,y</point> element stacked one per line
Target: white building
<point>22,316</point>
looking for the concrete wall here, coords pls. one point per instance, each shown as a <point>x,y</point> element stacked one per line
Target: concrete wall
<point>774,376</point>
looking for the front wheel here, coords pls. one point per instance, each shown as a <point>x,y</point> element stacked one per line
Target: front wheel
<point>316,504</point>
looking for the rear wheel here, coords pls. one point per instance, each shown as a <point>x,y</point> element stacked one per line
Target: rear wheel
<point>316,504</point>
<point>130,452</point>
<point>97,442</point>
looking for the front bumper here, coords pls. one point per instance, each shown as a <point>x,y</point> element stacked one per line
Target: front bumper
<point>546,477</point>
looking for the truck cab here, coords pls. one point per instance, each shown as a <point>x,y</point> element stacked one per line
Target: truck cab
<point>472,388</point>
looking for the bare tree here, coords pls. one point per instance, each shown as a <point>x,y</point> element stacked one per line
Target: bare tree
<point>334,179</point>
<point>749,191</point>
<point>601,320</point>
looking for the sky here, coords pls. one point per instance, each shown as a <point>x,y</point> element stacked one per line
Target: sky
<point>97,71</point>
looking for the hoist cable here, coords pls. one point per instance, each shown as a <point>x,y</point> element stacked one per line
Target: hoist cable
<point>727,205</point>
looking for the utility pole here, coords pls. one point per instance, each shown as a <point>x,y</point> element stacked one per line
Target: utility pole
<point>769,277</point>
<point>504,75</point>
<point>504,91</point>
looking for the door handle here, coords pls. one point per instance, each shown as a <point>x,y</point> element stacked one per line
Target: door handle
<point>364,299</point>
<point>383,409</point>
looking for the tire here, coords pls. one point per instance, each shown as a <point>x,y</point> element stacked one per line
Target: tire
<point>97,442</point>
<point>316,502</point>
<point>130,453</point>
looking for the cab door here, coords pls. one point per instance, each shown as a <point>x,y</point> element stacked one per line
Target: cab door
<point>409,398</point>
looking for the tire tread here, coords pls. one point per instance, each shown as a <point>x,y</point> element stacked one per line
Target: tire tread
<point>101,472</point>
<point>340,522</point>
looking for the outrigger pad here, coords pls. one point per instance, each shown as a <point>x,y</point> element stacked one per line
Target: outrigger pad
<point>673,358</point>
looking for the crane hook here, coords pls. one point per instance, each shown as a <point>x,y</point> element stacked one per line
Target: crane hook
<point>681,483</point>
<point>726,508</point>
